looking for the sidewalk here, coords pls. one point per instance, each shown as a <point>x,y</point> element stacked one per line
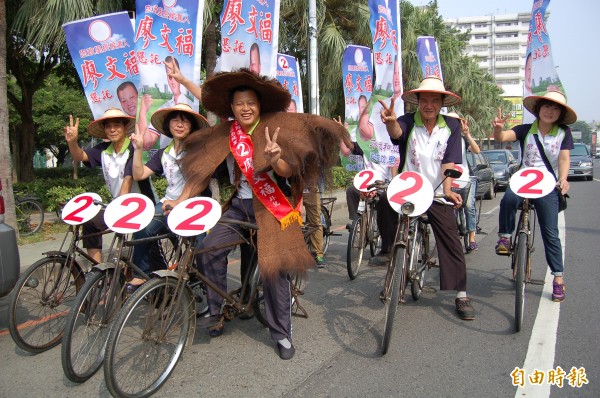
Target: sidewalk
<point>34,251</point>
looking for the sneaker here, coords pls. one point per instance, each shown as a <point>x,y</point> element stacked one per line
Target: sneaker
<point>558,292</point>
<point>285,353</point>
<point>472,247</point>
<point>349,226</point>
<point>321,262</point>
<point>380,260</point>
<point>503,247</point>
<point>464,309</point>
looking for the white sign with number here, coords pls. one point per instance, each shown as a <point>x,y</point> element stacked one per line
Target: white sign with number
<point>81,208</point>
<point>129,213</point>
<point>532,182</point>
<point>463,180</point>
<point>194,216</point>
<point>366,177</point>
<point>410,186</point>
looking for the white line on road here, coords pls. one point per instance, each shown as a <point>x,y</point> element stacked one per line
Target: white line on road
<point>491,211</point>
<point>542,345</point>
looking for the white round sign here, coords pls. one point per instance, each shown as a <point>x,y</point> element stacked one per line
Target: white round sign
<point>81,208</point>
<point>410,186</point>
<point>461,181</point>
<point>194,216</point>
<point>129,213</point>
<point>364,178</point>
<point>532,182</point>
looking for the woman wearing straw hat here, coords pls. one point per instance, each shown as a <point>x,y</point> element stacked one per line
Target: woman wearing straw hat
<point>548,133</point>
<point>115,159</point>
<point>177,123</point>
<point>430,144</point>
<point>266,149</point>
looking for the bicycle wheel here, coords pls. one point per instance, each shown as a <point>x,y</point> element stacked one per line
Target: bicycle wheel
<point>147,338</point>
<point>40,303</point>
<point>326,221</point>
<point>418,267</point>
<point>391,292</point>
<point>461,223</point>
<point>356,247</point>
<point>87,326</point>
<point>373,233</point>
<point>30,216</point>
<point>519,271</point>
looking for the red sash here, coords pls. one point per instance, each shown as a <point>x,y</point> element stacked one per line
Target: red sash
<point>263,187</point>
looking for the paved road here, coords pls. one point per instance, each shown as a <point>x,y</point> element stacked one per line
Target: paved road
<point>433,353</point>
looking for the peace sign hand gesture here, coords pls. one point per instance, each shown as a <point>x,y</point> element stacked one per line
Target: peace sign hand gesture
<point>72,130</point>
<point>272,149</point>
<point>499,121</point>
<point>137,138</point>
<point>388,115</point>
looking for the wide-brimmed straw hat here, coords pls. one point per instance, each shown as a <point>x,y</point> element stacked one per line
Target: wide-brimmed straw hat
<point>216,92</point>
<point>158,118</point>
<point>530,103</point>
<point>96,128</point>
<point>431,84</point>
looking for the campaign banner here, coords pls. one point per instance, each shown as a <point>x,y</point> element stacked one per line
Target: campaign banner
<point>250,36</point>
<point>102,50</point>
<point>357,80</point>
<point>385,27</point>
<point>540,74</point>
<point>429,57</point>
<point>516,113</point>
<point>168,36</point>
<point>288,75</point>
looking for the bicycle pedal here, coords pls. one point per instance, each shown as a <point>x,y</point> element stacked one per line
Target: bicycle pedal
<point>432,263</point>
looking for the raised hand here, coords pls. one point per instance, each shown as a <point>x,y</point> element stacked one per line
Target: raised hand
<point>137,138</point>
<point>272,149</point>
<point>499,121</point>
<point>174,72</point>
<point>464,127</point>
<point>388,115</point>
<point>72,130</point>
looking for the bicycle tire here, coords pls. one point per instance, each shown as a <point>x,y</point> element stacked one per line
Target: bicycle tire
<point>520,264</point>
<point>30,216</point>
<point>356,247</point>
<point>374,235</point>
<point>36,315</point>
<point>397,280</point>
<point>147,338</point>
<point>87,327</point>
<point>326,221</point>
<point>416,263</point>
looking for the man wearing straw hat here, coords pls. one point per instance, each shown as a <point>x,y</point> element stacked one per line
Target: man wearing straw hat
<point>430,143</point>
<point>115,157</point>
<point>266,149</point>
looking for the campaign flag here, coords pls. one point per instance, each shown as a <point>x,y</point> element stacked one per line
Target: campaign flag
<point>357,80</point>
<point>289,77</point>
<point>385,27</point>
<point>540,74</point>
<point>250,36</point>
<point>429,57</point>
<point>102,51</point>
<point>168,33</point>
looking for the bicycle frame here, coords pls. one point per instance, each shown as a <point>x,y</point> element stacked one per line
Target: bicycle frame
<point>525,225</point>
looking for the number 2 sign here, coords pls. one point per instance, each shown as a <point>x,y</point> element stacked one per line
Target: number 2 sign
<point>364,178</point>
<point>81,208</point>
<point>532,182</point>
<point>129,213</point>
<point>410,186</point>
<point>194,216</point>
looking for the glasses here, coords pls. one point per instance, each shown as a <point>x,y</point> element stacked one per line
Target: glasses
<point>551,107</point>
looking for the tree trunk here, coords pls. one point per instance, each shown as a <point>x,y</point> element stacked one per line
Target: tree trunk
<point>210,47</point>
<point>26,144</point>
<point>5,164</point>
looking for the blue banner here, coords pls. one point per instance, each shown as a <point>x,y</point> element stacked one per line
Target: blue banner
<point>288,75</point>
<point>168,35</point>
<point>250,36</point>
<point>103,53</point>
<point>429,57</point>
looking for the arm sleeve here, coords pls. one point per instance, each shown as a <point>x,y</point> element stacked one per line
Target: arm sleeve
<point>155,163</point>
<point>521,132</point>
<point>453,152</point>
<point>95,155</point>
<point>567,142</point>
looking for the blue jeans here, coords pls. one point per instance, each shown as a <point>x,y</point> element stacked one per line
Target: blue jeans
<point>547,215</point>
<point>470,209</point>
<point>141,252</point>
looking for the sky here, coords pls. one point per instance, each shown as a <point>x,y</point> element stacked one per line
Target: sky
<point>574,32</point>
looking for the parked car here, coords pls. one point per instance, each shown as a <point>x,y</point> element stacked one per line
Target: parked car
<point>480,168</point>
<point>504,164</point>
<point>582,163</point>
<point>9,253</point>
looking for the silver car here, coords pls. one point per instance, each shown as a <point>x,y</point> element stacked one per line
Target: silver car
<point>9,253</point>
<point>582,164</point>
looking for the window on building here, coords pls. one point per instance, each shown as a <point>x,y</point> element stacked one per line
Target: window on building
<point>480,48</point>
<point>508,57</point>
<point>506,23</point>
<point>479,37</point>
<point>507,70</point>
<point>505,35</point>
<point>507,81</point>
<point>481,25</point>
<point>507,47</point>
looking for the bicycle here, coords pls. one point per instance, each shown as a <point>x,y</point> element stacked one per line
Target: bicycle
<point>29,213</point>
<point>44,294</point>
<point>326,213</point>
<point>461,217</point>
<point>99,300</point>
<point>411,256</point>
<point>364,231</point>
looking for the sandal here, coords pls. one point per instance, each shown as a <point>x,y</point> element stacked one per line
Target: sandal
<point>216,329</point>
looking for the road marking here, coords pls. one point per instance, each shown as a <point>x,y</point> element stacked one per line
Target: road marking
<point>35,322</point>
<point>491,211</point>
<point>542,345</point>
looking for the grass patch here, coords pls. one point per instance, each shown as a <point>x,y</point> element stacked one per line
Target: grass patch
<point>46,233</point>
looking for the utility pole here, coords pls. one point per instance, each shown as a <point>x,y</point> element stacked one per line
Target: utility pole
<point>313,68</point>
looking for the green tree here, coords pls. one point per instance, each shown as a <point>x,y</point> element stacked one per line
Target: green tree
<point>586,131</point>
